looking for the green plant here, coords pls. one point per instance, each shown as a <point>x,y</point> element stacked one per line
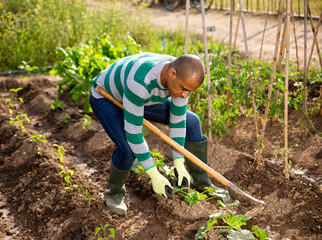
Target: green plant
<point>194,197</point>
<point>10,105</point>
<point>83,191</point>
<point>82,63</point>
<point>233,228</point>
<point>158,160</point>
<point>104,230</point>
<point>60,151</point>
<point>66,118</point>
<point>67,178</point>
<point>280,154</point>
<point>39,139</point>
<point>20,122</point>
<point>87,122</point>
<point>57,104</point>
<point>14,94</point>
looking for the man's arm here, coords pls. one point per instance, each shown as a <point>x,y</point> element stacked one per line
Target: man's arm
<point>133,104</point>
<point>177,124</point>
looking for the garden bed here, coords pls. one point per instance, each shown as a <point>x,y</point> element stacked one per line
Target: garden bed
<point>35,205</point>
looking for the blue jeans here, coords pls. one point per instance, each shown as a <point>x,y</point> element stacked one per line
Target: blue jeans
<point>112,119</point>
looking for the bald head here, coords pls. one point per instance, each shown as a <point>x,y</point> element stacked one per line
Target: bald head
<point>189,65</point>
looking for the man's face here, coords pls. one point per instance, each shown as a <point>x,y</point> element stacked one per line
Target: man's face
<point>181,88</point>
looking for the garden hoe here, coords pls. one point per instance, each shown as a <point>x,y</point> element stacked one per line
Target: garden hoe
<point>235,190</point>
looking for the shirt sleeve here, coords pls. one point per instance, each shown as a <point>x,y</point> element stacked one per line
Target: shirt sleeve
<point>177,124</point>
<point>133,104</point>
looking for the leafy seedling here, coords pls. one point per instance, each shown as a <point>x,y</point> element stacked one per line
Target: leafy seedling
<point>83,191</point>
<point>14,94</point>
<point>57,104</point>
<point>60,151</point>
<point>19,121</point>
<point>158,160</point>
<point>87,122</point>
<point>39,139</point>
<point>68,174</point>
<point>103,229</point>
<point>66,118</point>
<point>233,228</point>
<point>192,197</point>
<point>10,105</point>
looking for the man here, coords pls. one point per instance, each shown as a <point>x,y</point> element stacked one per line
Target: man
<point>144,83</point>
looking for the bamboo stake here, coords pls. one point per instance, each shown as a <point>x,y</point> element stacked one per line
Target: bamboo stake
<point>321,101</point>
<point>229,53</point>
<point>305,58</point>
<point>312,48</point>
<point>247,59</point>
<point>282,50</point>
<point>207,66</point>
<point>186,27</point>
<point>236,30</point>
<point>281,57</point>
<point>295,40</point>
<point>269,95</point>
<point>260,51</point>
<point>315,37</point>
<point>287,43</point>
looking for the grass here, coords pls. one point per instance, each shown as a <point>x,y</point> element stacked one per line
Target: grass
<point>31,30</point>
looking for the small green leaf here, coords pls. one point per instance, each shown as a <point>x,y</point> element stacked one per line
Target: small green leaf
<point>250,111</point>
<point>261,234</point>
<point>112,233</point>
<point>97,230</point>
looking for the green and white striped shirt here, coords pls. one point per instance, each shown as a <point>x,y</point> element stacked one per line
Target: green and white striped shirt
<point>135,81</point>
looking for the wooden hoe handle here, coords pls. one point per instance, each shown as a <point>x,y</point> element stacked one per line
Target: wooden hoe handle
<point>171,142</point>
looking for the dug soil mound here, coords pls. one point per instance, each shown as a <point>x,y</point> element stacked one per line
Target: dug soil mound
<point>41,198</point>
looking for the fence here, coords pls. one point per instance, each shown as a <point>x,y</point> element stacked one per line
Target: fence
<point>260,6</point>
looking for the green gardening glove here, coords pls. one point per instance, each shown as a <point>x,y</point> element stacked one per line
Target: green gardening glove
<point>160,184</point>
<point>181,173</point>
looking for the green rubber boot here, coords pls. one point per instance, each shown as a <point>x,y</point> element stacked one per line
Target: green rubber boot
<point>200,178</point>
<point>114,196</point>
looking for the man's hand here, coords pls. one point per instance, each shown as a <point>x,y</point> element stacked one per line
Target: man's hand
<point>160,184</point>
<point>181,173</point>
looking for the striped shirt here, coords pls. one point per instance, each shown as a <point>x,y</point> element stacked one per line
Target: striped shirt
<point>135,81</point>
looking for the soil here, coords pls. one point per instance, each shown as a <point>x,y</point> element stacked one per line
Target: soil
<point>34,204</point>
<point>254,24</point>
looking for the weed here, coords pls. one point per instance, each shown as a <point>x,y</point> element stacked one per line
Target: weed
<point>104,230</point>
<point>233,228</point>
<point>20,122</point>
<point>39,139</point>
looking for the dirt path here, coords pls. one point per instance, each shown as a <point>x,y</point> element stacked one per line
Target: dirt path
<point>254,29</point>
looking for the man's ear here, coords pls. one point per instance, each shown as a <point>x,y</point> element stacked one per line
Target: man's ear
<point>172,73</point>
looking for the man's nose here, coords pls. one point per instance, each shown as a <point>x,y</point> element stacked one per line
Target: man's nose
<point>185,94</point>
